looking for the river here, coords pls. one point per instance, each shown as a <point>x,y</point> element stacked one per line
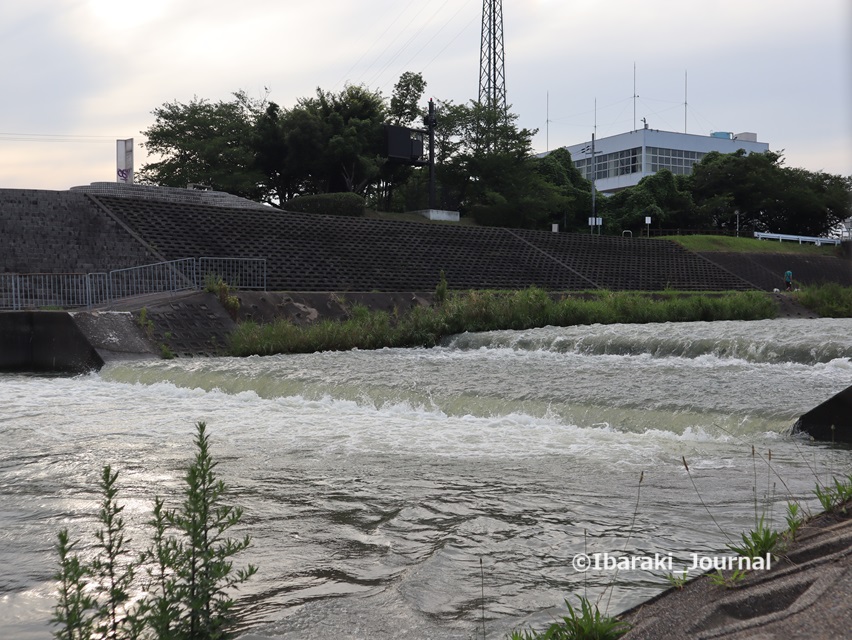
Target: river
<point>387,491</point>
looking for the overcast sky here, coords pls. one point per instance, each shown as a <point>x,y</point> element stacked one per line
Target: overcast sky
<point>78,74</point>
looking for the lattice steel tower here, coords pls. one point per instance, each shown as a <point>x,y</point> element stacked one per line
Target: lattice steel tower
<point>492,67</point>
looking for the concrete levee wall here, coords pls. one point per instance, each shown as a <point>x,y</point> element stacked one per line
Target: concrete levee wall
<point>766,270</point>
<point>105,227</point>
<point>44,341</point>
<point>62,232</point>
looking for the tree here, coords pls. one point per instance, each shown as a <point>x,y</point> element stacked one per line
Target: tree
<point>766,195</point>
<point>662,196</point>
<point>405,111</point>
<point>486,167</point>
<point>405,107</point>
<point>207,143</point>
<point>557,168</point>
<point>353,120</point>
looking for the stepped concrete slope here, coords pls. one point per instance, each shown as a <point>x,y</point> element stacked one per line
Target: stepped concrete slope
<point>766,270</point>
<point>107,226</point>
<point>63,232</point>
<point>307,252</point>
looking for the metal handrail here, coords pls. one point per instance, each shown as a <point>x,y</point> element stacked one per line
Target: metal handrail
<point>73,290</point>
<point>239,273</point>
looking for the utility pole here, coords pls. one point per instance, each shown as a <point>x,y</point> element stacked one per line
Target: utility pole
<point>431,121</point>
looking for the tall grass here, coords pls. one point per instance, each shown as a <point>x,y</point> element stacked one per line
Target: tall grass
<point>492,310</point>
<point>829,300</point>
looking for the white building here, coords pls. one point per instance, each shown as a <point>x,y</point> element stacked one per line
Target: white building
<point>622,160</point>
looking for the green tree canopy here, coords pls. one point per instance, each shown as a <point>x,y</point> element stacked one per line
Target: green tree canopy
<point>205,142</point>
<point>766,195</point>
<point>754,190</point>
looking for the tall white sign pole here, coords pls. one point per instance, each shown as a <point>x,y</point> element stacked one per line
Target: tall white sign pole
<point>124,161</point>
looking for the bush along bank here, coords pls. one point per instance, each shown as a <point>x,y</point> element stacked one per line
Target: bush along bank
<point>829,300</point>
<point>457,312</point>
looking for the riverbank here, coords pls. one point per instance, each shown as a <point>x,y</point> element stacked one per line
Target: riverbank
<point>451,313</point>
<point>194,324</point>
<point>806,594</point>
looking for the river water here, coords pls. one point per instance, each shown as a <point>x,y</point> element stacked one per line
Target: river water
<point>388,491</point>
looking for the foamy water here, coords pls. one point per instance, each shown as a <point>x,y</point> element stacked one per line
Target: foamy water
<point>374,482</point>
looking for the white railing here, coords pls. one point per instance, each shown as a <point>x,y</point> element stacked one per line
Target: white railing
<point>239,273</point>
<point>70,290</point>
<point>161,277</point>
<point>51,290</point>
<point>800,239</point>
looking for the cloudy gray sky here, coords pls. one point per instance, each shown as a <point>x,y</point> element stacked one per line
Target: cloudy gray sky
<point>77,74</point>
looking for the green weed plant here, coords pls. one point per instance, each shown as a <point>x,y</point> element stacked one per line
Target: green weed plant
<point>179,588</point>
<point>585,622</point>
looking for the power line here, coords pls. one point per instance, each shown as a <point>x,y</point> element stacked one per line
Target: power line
<point>393,58</point>
<point>368,49</point>
<point>57,137</point>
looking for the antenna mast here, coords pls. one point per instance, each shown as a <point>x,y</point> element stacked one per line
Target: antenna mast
<point>634,96</point>
<point>685,94</point>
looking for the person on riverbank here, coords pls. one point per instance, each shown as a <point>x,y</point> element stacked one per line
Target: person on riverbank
<point>788,280</point>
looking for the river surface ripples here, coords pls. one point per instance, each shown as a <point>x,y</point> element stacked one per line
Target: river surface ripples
<point>385,491</point>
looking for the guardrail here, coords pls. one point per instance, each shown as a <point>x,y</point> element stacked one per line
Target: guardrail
<point>47,290</point>
<point>781,237</point>
<point>161,277</point>
<point>239,273</point>
<point>71,290</point>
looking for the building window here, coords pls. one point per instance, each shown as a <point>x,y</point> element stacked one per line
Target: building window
<point>678,161</point>
<point>611,165</point>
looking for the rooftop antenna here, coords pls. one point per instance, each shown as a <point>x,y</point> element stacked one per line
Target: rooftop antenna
<point>635,95</point>
<point>685,93</point>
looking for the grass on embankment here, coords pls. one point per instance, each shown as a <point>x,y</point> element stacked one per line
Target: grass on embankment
<point>749,245</point>
<point>488,310</point>
<point>829,300</point>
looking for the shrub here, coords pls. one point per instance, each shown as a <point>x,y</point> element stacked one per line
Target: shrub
<point>828,300</point>
<point>215,284</point>
<point>336,204</point>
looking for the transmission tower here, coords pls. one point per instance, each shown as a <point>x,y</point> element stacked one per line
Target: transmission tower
<point>492,67</point>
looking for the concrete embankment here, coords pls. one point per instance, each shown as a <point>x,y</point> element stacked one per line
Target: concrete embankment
<point>186,325</point>
<point>806,594</point>
<point>44,341</point>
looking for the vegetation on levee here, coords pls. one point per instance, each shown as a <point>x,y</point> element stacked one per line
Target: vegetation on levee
<point>457,312</point>
<point>829,300</point>
<point>731,244</point>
